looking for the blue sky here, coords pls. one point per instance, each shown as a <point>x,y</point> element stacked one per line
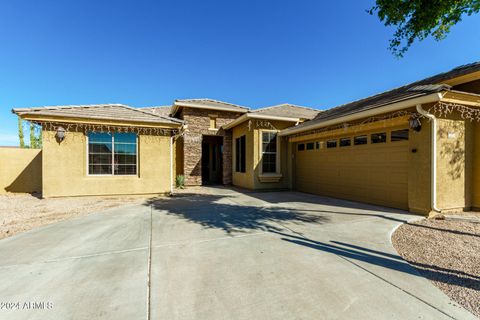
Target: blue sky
<point>254,53</point>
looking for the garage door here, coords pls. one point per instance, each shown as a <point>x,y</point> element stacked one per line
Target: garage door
<point>372,169</point>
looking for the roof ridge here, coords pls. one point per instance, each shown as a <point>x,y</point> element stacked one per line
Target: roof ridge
<point>72,106</point>
<point>211,100</point>
<point>410,84</point>
<point>155,107</point>
<point>287,104</point>
<point>151,114</point>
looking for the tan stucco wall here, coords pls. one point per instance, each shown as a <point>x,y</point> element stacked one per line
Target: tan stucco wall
<point>282,148</point>
<point>451,164</point>
<point>20,170</point>
<point>475,180</point>
<point>419,172</point>
<point>250,179</point>
<point>65,171</point>
<point>243,179</point>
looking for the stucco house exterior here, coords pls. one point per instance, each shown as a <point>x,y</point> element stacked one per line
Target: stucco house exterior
<point>416,147</point>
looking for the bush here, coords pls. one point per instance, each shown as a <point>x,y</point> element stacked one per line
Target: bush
<point>180,181</point>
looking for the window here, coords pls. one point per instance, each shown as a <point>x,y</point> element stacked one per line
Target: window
<point>310,146</point>
<point>301,147</point>
<point>213,122</point>
<point>112,153</point>
<point>331,144</point>
<point>378,137</point>
<point>240,154</point>
<point>399,135</point>
<point>345,142</point>
<point>358,140</point>
<point>317,144</point>
<point>269,152</point>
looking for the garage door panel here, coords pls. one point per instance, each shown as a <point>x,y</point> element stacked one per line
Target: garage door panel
<point>370,173</point>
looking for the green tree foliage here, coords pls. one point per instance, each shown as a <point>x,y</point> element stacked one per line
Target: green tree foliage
<point>33,141</point>
<point>20,133</point>
<point>35,134</point>
<point>418,19</point>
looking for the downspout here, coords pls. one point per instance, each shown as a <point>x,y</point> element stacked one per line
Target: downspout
<point>433,157</point>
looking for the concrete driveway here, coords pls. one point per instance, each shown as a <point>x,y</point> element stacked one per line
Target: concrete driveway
<point>223,255</point>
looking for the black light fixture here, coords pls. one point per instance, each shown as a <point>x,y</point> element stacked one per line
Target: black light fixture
<point>60,134</point>
<point>415,123</point>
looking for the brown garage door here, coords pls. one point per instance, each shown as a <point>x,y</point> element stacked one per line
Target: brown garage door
<point>373,172</point>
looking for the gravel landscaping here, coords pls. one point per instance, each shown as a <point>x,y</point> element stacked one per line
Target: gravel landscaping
<point>19,213</point>
<point>447,252</point>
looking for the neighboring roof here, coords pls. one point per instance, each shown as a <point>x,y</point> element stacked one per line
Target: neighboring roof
<point>288,110</point>
<point>434,84</point>
<point>159,110</point>
<point>208,104</point>
<point>98,112</point>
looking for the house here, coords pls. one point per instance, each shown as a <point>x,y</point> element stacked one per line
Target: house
<point>416,147</point>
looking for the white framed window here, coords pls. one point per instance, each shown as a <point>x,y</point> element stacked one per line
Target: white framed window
<point>269,151</point>
<point>112,153</point>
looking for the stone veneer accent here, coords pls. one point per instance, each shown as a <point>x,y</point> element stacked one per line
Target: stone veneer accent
<point>198,124</point>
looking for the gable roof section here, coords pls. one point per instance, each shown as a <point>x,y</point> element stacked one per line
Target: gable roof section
<point>163,111</point>
<point>281,112</point>
<point>97,112</point>
<point>288,110</point>
<point>422,88</point>
<point>209,104</point>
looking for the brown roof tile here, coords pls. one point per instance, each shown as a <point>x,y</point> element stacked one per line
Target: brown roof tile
<point>289,111</point>
<point>98,112</point>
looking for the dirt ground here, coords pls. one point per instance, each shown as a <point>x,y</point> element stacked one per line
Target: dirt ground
<point>19,213</point>
<point>448,253</point>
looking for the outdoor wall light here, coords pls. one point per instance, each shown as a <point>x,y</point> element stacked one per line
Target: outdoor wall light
<point>415,123</point>
<point>60,134</point>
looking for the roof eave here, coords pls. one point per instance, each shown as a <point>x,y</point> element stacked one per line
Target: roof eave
<point>179,104</point>
<point>433,97</point>
<point>120,122</point>
<point>247,116</point>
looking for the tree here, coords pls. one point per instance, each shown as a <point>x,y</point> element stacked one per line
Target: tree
<point>35,134</point>
<point>418,19</point>
<point>20,133</point>
<point>33,141</point>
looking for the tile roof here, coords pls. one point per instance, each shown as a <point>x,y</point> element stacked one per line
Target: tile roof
<point>211,103</point>
<point>420,88</point>
<point>289,111</point>
<point>158,110</point>
<point>98,112</point>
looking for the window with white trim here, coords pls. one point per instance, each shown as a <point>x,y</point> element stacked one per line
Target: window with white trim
<point>269,152</point>
<point>112,153</point>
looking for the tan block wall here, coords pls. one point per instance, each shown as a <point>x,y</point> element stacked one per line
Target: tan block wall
<point>65,168</point>
<point>20,170</point>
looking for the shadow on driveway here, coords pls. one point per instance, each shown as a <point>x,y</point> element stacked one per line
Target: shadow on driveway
<point>211,211</point>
